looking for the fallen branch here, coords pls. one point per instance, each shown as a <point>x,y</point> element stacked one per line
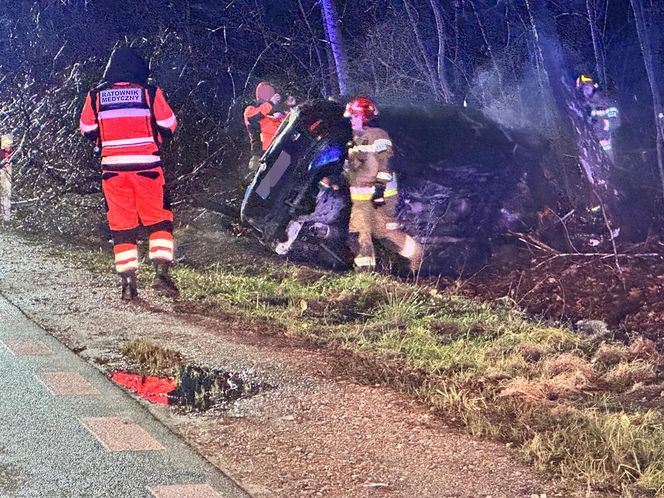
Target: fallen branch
<point>531,241</point>
<point>604,255</point>
<point>612,236</point>
<point>26,201</point>
<point>600,255</point>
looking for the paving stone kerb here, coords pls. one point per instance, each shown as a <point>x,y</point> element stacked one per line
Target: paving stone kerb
<point>185,491</point>
<point>68,431</point>
<point>67,384</point>
<point>27,347</point>
<point>121,434</point>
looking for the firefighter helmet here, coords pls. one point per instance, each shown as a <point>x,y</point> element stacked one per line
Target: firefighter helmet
<point>361,106</point>
<point>586,79</point>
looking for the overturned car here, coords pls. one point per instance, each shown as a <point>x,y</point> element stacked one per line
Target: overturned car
<point>456,170</point>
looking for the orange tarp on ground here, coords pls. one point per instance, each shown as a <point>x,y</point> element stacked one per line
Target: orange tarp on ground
<point>154,389</point>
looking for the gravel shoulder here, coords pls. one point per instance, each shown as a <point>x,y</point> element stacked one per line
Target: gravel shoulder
<point>316,434</point>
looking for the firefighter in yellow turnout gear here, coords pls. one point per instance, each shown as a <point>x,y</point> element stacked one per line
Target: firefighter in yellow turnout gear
<point>603,115</point>
<point>373,191</point>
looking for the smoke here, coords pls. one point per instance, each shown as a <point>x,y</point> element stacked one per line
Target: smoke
<point>519,104</point>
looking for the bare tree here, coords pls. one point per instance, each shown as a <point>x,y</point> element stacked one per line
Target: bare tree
<point>438,86</point>
<point>598,44</point>
<point>396,65</point>
<point>487,43</point>
<point>650,39</point>
<point>331,23</point>
<point>443,84</point>
<point>315,40</point>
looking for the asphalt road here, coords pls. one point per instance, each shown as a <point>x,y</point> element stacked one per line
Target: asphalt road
<point>66,431</point>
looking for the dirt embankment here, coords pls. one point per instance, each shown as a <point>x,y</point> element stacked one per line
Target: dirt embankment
<point>316,434</point>
<point>627,295</point>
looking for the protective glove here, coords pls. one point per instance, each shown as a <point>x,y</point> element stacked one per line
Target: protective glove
<point>378,198</point>
<point>327,183</point>
<point>276,99</point>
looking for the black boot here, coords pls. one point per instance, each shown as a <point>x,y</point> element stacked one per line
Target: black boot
<point>163,282</point>
<point>129,285</point>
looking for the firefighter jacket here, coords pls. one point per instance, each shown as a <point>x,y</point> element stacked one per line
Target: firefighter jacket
<point>129,121</point>
<point>603,113</point>
<point>262,120</point>
<point>368,164</point>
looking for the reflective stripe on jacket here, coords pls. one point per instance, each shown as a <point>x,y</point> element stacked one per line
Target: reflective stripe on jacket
<point>369,157</point>
<point>130,121</point>
<point>367,193</point>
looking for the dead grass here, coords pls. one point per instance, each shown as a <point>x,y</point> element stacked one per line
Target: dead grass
<point>611,354</point>
<point>627,374</point>
<point>147,358</point>
<point>615,445</point>
<point>569,364</point>
<point>646,350</point>
<point>541,388</point>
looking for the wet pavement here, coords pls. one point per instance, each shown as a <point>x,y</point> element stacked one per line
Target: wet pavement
<point>67,431</point>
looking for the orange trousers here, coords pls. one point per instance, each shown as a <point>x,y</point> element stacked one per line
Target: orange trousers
<point>136,198</point>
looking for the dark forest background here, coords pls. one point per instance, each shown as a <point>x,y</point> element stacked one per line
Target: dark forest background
<point>514,60</point>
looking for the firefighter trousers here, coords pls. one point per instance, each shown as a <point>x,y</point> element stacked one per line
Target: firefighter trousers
<point>137,198</point>
<point>367,223</point>
<point>606,143</point>
<point>6,192</point>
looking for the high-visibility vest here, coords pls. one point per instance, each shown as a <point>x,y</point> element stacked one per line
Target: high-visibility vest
<point>262,125</point>
<point>129,121</point>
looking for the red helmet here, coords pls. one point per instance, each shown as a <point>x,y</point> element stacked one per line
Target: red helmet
<point>361,106</point>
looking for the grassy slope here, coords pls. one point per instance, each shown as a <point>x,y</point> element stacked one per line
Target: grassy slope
<point>550,393</point>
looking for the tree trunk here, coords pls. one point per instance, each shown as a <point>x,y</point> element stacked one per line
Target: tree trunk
<point>428,65</point>
<point>333,34</point>
<point>440,31</point>
<point>314,40</point>
<point>459,86</point>
<point>651,44</point>
<point>494,62</point>
<point>598,45</point>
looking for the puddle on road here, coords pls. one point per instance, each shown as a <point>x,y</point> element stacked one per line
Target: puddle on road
<point>193,389</point>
